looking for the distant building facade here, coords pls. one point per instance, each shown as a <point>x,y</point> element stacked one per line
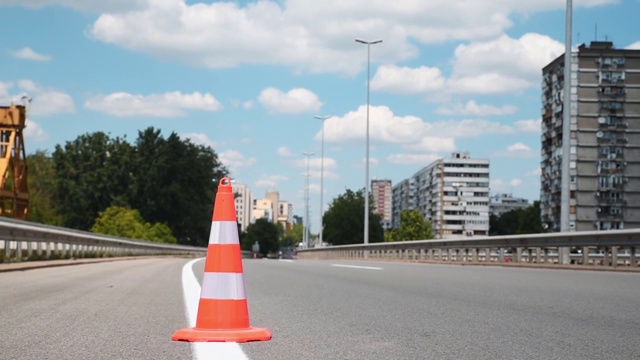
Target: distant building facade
<point>502,203</point>
<point>243,203</point>
<point>381,195</point>
<point>604,175</point>
<point>452,193</point>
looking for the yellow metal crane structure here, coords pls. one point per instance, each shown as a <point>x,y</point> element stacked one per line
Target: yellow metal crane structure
<point>14,190</point>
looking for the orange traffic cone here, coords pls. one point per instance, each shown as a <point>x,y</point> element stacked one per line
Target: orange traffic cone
<point>222,312</point>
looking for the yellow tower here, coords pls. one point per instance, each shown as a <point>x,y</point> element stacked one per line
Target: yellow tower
<point>14,190</point>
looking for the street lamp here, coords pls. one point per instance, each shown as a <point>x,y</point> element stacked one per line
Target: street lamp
<point>321,118</point>
<point>305,236</point>
<point>366,176</point>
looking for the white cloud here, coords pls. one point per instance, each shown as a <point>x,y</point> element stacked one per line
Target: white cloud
<point>413,159</point>
<point>234,160</point>
<point>384,126</point>
<point>315,164</point>
<point>405,80</point>
<point>169,104</point>
<point>295,101</point>
<point>502,186</point>
<point>535,172</point>
<point>517,150</point>
<point>486,84</point>
<point>373,163</point>
<point>44,101</point>
<point>82,5</point>
<point>200,139</point>
<point>473,108</point>
<point>308,36</point>
<point>502,65</point>
<point>434,144</point>
<point>27,53</point>
<point>247,105</point>
<point>284,151</point>
<point>466,128</point>
<point>33,131</point>
<point>271,181</point>
<point>528,126</point>
<point>634,46</point>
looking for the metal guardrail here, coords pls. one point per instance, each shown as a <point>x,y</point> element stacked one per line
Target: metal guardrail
<point>612,248</point>
<point>23,240</point>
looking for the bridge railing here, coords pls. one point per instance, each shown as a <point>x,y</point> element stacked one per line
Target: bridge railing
<point>22,240</point>
<point>614,248</point>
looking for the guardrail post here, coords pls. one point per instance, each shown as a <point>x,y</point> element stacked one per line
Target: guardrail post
<point>518,257</point>
<point>614,256</point>
<point>29,250</point>
<point>605,262</point>
<point>501,255</point>
<point>474,254</point>
<point>633,260</point>
<point>19,250</point>
<point>585,255</point>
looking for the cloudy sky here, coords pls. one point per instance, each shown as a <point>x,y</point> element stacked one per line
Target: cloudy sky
<point>247,79</point>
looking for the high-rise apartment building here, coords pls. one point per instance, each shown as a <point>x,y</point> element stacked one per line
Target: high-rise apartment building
<point>244,204</point>
<point>381,195</point>
<point>604,179</point>
<point>452,193</point>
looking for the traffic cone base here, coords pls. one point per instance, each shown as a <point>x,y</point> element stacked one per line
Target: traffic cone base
<point>230,335</point>
<point>223,314</point>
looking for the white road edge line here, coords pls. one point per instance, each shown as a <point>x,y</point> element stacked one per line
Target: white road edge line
<point>204,350</point>
<point>357,267</point>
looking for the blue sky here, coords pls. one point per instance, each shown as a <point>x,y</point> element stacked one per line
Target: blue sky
<point>248,77</point>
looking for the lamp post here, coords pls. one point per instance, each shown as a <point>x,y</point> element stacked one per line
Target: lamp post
<point>366,177</point>
<point>321,118</point>
<point>305,235</point>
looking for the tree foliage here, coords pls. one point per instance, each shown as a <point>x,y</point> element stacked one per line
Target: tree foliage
<point>123,222</point>
<point>344,220</point>
<point>265,233</point>
<point>519,221</point>
<point>413,226</point>
<point>169,181</point>
<point>41,181</point>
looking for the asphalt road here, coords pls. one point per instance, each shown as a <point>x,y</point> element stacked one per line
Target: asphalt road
<point>315,310</point>
<point>116,310</point>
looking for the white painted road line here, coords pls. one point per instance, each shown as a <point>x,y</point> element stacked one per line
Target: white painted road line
<point>204,350</point>
<point>357,267</point>
<point>285,260</point>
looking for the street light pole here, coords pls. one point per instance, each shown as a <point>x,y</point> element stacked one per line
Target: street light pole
<point>321,118</point>
<point>366,177</point>
<point>305,237</point>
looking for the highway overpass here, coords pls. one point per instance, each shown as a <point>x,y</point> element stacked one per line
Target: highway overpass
<point>324,309</point>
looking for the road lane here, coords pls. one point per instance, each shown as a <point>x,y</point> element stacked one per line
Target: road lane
<point>118,310</point>
<point>417,311</point>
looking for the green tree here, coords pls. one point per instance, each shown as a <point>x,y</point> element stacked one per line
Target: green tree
<point>519,221</point>
<point>175,182</point>
<point>169,181</point>
<point>265,233</point>
<point>41,186</point>
<point>413,226</point>
<point>91,175</point>
<point>123,222</point>
<point>344,220</point>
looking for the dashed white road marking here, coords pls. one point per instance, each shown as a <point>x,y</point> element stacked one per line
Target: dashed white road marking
<point>285,260</point>
<point>204,350</point>
<point>357,267</point>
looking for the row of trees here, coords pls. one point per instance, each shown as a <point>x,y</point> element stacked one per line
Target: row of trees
<point>165,186</point>
<point>162,189</point>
